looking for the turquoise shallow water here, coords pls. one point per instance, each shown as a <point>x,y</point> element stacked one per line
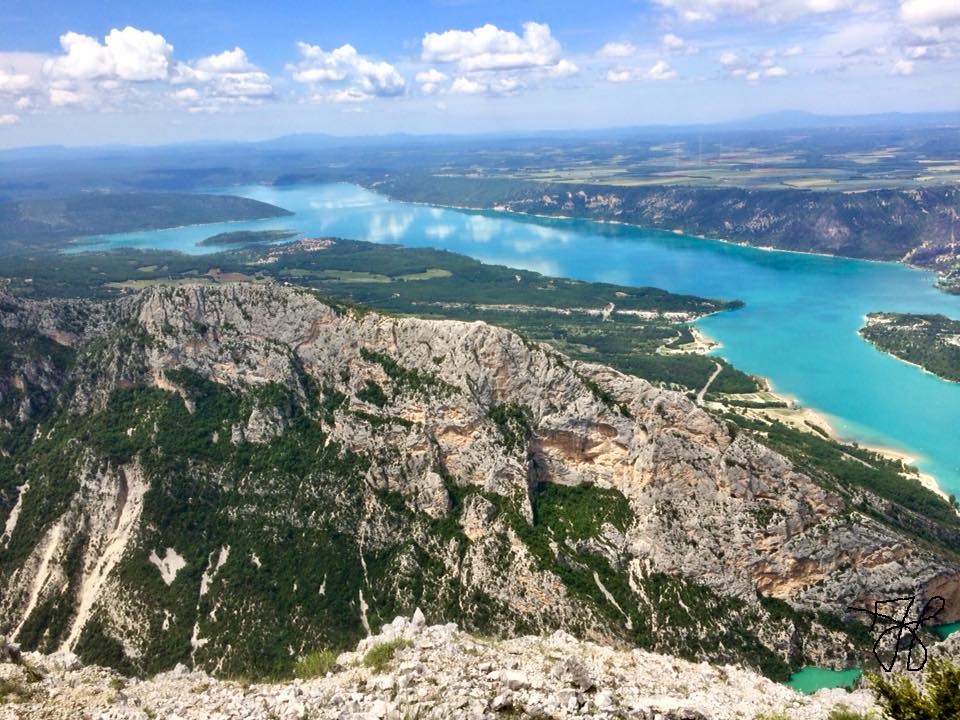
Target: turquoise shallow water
<point>946,631</point>
<point>810,679</point>
<point>799,327</point>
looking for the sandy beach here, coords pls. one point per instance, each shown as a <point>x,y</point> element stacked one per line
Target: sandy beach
<point>800,417</point>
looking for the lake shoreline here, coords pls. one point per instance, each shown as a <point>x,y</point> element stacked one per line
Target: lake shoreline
<point>503,210</point>
<point>802,417</point>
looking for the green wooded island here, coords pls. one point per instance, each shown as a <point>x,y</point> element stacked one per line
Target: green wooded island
<point>930,341</point>
<point>246,237</point>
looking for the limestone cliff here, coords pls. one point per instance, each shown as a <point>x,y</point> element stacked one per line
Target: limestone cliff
<point>216,465</point>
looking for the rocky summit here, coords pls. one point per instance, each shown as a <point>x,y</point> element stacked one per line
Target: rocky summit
<point>412,670</point>
<point>234,477</point>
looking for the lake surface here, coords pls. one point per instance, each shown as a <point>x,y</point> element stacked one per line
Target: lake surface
<point>810,679</point>
<point>799,328</point>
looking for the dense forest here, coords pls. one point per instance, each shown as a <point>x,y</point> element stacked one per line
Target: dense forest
<point>930,341</point>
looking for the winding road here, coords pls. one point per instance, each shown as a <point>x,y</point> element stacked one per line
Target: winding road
<point>703,390</point>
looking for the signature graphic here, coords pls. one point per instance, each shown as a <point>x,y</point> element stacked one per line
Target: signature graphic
<point>892,638</point>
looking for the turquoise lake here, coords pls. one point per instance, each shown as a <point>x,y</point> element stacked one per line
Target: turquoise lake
<point>799,328</point>
<point>810,679</point>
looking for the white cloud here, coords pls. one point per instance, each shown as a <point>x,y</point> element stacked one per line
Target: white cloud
<point>431,80</point>
<point>348,96</point>
<point>366,78</point>
<point>222,79</point>
<point>793,51</point>
<point>757,66</point>
<point>60,97</point>
<point>488,48</point>
<point>729,59</point>
<point>9,119</point>
<point>619,76</point>
<point>380,78</point>
<point>23,103</point>
<point>860,37</point>
<point>902,67</point>
<point>13,82</point>
<point>229,61</point>
<point>491,85</point>
<point>188,95</point>
<point>769,10</point>
<point>563,69</point>
<point>661,71</point>
<point>130,54</point>
<point>319,66</point>
<point>466,86</point>
<point>675,44</point>
<point>930,12</point>
<point>617,50</point>
<point>483,57</point>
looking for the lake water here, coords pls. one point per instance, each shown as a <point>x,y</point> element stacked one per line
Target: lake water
<point>810,679</point>
<point>799,328</point>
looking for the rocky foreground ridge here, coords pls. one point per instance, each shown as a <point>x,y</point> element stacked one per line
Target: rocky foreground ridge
<point>429,672</point>
<point>232,477</point>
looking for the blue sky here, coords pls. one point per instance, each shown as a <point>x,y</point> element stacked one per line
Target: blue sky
<point>147,72</point>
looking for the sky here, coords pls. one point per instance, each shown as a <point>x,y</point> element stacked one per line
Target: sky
<point>136,72</point>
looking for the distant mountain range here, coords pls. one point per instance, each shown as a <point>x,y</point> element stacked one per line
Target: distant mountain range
<point>781,120</point>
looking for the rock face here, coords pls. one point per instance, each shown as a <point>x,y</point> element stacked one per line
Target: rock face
<point>432,672</point>
<point>225,464</point>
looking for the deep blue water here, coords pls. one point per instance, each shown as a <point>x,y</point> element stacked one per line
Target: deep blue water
<point>799,327</point>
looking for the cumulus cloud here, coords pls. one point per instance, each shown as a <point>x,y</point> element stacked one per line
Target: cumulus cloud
<point>130,54</point>
<point>365,78</point>
<point>14,82</point>
<point>564,68</point>
<point>902,67</point>
<point>135,67</point>
<point>757,66</point>
<point>495,61</point>
<point>380,78</point>
<point>930,12</point>
<point>229,61</point>
<point>619,76</point>
<point>227,78</point>
<point>661,71</point>
<point>187,95</point>
<point>490,85</point>
<point>490,48</point>
<point>9,119</point>
<point>466,86</point>
<point>319,66</point>
<point>729,59</point>
<point>769,10</point>
<point>23,103</point>
<point>613,50</point>
<point>675,44</point>
<point>431,81</point>
<point>348,96</point>
<point>60,97</point>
